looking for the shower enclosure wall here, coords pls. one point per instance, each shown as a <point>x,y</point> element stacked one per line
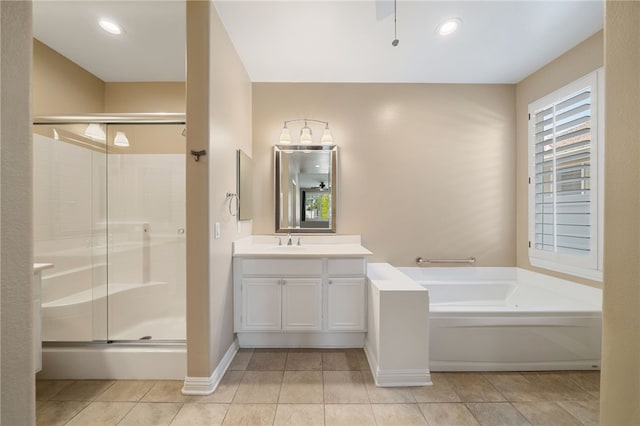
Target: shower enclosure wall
<point>109,213</point>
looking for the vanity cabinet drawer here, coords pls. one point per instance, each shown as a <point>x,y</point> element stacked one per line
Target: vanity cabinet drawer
<point>282,267</point>
<point>357,266</point>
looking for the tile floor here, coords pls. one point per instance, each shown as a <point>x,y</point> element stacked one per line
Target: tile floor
<point>324,387</point>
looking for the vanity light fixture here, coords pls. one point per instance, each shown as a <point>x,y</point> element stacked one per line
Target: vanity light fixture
<point>448,27</point>
<point>306,134</point>
<point>121,140</point>
<point>110,27</point>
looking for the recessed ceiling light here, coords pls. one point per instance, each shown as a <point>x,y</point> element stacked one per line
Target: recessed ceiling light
<point>449,26</point>
<point>110,27</point>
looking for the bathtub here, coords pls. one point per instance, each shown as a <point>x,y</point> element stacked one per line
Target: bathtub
<point>509,319</point>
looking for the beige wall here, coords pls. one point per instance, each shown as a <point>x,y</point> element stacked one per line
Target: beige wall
<point>199,325</point>
<point>60,86</point>
<point>620,383</point>
<point>425,169</point>
<point>579,61</point>
<point>145,97</point>
<point>230,97</point>
<point>17,390</point>
<point>219,117</point>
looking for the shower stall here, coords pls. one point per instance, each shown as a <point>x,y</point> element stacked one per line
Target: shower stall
<point>109,213</point>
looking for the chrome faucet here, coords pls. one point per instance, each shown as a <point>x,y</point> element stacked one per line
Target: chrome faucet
<point>289,242</point>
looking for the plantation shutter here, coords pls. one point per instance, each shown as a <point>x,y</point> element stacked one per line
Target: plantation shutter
<point>563,133</point>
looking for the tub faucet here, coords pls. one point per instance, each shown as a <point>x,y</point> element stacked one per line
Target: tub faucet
<point>289,242</point>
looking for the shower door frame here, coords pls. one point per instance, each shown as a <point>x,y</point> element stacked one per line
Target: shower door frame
<point>116,119</point>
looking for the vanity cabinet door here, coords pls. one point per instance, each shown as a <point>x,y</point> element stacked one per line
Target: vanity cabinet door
<point>301,304</point>
<point>346,304</point>
<point>261,304</point>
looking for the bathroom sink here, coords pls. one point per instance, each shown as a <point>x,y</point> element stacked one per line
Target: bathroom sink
<point>286,248</point>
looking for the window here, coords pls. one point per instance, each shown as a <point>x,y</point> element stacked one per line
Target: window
<point>566,146</point>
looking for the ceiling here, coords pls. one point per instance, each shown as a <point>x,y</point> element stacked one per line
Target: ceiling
<point>326,41</point>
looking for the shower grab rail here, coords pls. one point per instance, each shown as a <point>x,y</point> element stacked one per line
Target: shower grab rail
<point>471,259</point>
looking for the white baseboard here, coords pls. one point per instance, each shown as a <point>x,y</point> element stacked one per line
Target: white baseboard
<point>301,340</point>
<point>393,378</point>
<point>207,385</point>
<point>396,378</point>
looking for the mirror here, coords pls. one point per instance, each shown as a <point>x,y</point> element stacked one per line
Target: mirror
<point>244,186</point>
<point>306,184</point>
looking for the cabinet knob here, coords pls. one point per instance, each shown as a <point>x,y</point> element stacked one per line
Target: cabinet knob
<point>330,282</point>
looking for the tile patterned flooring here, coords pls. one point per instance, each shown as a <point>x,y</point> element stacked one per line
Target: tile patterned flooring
<point>324,387</point>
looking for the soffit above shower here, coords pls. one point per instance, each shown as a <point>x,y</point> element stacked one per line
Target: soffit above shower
<point>326,41</point>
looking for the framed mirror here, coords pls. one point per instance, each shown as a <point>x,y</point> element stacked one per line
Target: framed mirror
<point>244,186</point>
<point>306,181</point>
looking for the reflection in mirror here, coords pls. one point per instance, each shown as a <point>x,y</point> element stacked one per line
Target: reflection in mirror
<point>245,187</point>
<point>305,188</point>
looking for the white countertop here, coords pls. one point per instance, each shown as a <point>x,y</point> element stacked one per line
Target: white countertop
<point>310,246</point>
<point>385,277</point>
<point>38,267</point>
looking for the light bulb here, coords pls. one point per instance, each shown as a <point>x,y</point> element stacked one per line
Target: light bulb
<point>327,139</point>
<point>305,136</point>
<point>285,136</point>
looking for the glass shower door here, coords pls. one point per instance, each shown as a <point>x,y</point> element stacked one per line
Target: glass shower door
<point>69,187</point>
<point>146,232</point>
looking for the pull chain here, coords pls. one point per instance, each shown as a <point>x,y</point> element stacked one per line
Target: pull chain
<point>395,41</point>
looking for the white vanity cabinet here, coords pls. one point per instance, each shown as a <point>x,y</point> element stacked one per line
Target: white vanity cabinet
<point>261,304</point>
<point>281,304</point>
<point>298,302</point>
<point>346,294</point>
<point>346,311</point>
<point>301,304</point>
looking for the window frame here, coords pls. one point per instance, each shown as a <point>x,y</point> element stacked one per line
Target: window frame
<point>589,267</point>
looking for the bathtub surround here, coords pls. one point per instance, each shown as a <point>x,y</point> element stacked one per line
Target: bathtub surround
<point>397,341</point>
<point>17,391</point>
<point>510,319</point>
